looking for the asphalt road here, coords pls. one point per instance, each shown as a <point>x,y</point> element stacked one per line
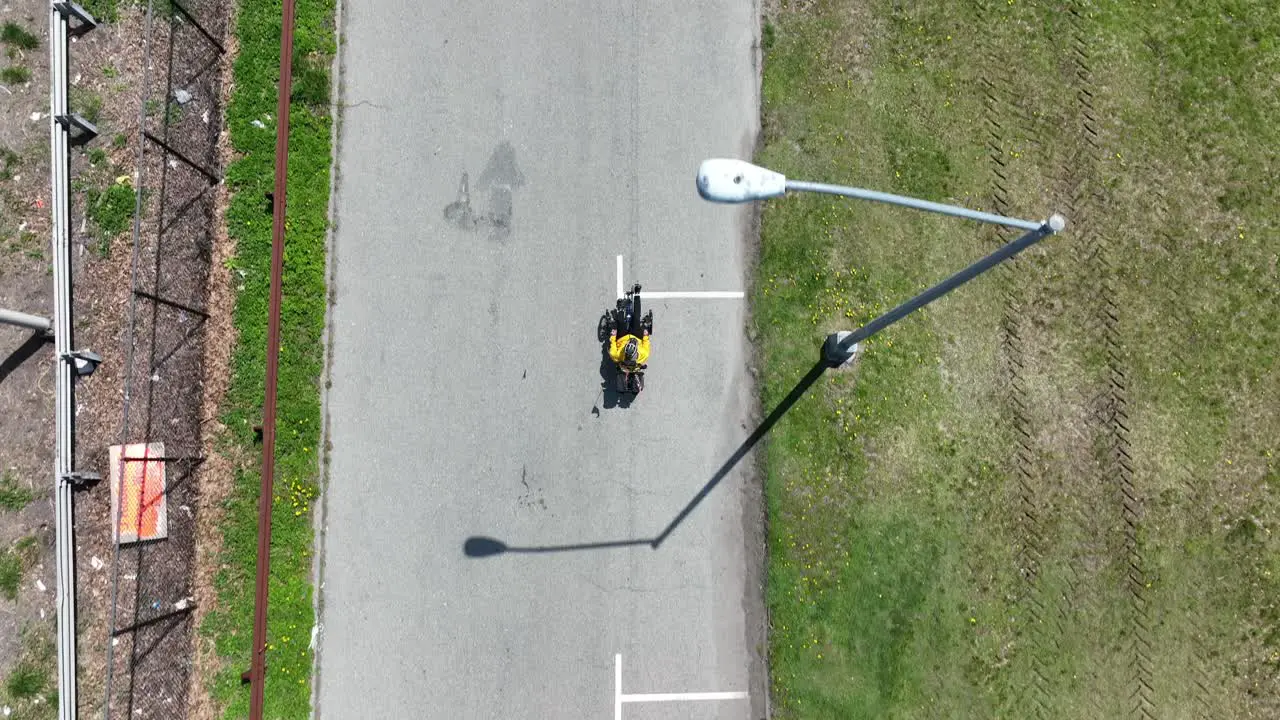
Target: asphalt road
<point>494,160</point>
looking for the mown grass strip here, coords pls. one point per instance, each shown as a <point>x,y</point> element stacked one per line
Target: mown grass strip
<point>251,122</point>
<point>894,583</point>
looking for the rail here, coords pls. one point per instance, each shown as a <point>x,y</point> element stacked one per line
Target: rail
<point>65,129</point>
<point>257,670</point>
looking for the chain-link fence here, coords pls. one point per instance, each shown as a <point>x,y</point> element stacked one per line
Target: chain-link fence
<point>150,652</point>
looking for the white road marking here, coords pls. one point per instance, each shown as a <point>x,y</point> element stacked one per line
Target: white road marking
<point>709,295</point>
<point>619,698</point>
<point>694,295</point>
<point>617,659</point>
<point>670,697</point>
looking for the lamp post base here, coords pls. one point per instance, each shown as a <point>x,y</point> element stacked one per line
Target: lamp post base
<point>833,355</point>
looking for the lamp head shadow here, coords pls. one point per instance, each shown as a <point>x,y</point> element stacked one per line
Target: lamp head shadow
<point>478,546</point>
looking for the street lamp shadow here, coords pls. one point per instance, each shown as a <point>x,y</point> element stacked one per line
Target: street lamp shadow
<point>480,546</point>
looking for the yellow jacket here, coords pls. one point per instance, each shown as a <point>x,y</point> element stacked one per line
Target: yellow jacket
<point>618,344</point>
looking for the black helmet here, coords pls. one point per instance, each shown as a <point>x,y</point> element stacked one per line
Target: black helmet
<point>631,351</point>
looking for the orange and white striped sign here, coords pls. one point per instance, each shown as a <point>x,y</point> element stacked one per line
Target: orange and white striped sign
<point>138,481</point>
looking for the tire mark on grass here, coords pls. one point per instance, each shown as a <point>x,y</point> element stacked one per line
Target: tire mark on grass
<point>1201,706</point>
<point>1117,462</point>
<point>1003,125</point>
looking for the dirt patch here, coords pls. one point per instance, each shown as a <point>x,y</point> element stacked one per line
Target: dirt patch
<point>26,380</point>
<point>149,594</point>
<point>217,474</point>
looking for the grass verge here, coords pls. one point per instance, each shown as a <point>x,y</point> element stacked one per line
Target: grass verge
<point>250,176</point>
<point>1053,493</point>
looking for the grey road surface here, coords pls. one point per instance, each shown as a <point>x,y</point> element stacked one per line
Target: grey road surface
<point>494,160</point>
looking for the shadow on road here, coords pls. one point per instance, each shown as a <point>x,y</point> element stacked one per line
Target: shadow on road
<point>480,546</point>
<point>611,398</point>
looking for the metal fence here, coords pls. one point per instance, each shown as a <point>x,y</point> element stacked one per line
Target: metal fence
<point>150,651</point>
<point>65,21</point>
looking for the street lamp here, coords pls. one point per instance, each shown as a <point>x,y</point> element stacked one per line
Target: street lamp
<point>31,322</point>
<point>735,181</point>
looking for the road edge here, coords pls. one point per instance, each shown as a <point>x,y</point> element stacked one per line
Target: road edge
<point>319,520</point>
<point>755,516</point>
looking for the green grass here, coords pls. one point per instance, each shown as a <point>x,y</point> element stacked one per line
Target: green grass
<point>26,682</point>
<point>10,575</point>
<point>103,10</point>
<point>12,495</point>
<point>311,86</point>
<point>14,562</point>
<point>173,113</point>
<point>15,75</point>
<point>16,36</point>
<point>291,615</point>
<point>9,161</point>
<point>86,103</point>
<point>111,209</point>
<point>28,244</point>
<point>119,141</point>
<point>109,10</point>
<point>30,691</point>
<point>897,521</point>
